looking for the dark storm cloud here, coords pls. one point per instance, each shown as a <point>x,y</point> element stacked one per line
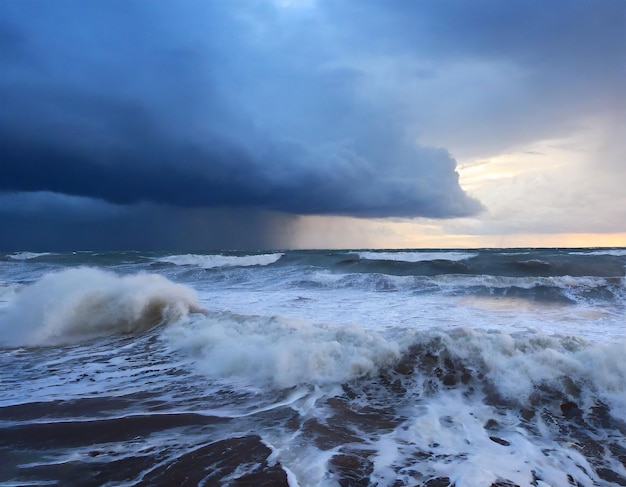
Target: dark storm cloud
<point>41,221</point>
<point>140,119</point>
<point>207,104</point>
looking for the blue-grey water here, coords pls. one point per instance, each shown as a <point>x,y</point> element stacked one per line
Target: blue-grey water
<point>314,368</point>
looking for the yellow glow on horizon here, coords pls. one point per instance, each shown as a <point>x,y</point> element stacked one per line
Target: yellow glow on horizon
<point>566,240</point>
<point>344,232</point>
<point>548,193</point>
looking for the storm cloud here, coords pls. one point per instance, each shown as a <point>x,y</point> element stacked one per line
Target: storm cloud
<point>251,114</point>
<point>43,221</point>
<point>203,105</point>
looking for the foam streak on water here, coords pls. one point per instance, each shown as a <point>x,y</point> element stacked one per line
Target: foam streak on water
<point>327,368</point>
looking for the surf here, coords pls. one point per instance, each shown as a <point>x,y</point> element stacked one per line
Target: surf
<point>81,303</point>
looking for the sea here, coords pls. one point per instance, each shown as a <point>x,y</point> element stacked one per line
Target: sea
<point>465,368</point>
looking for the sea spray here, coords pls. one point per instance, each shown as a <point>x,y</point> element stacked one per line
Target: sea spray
<point>75,304</point>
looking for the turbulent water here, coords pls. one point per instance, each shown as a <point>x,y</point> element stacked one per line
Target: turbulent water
<point>314,368</point>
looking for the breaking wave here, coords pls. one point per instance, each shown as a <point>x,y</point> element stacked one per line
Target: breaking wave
<point>27,255</point>
<point>559,289</point>
<point>522,368</point>
<point>514,368</point>
<point>215,261</point>
<point>75,304</point>
<point>415,256</point>
<point>282,353</point>
<point>611,252</point>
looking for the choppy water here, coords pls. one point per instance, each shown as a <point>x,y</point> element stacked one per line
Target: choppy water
<point>314,368</point>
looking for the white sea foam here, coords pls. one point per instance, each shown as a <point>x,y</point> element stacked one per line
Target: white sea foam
<point>451,428</point>
<point>8,291</point>
<point>27,255</point>
<point>517,365</point>
<point>416,256</point>
<point>285,353</point>
<point>214,261</point>
<point>613,252</point>
<point>448,429</point>
<point>74,304</point>
<point>282,353</point>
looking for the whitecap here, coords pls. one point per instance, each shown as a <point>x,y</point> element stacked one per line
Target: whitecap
<point>218,260</point>
<point>75,304</point>
<point>416,256</point>
<point>27,255</point>
<point>279,352</point>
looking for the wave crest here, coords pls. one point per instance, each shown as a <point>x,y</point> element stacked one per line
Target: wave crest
<point>416,256</point>
<point>216,261</point>
<point>520,368</point>
<point>75,304</point>
<point>282,353</point>
<point>27,255</point>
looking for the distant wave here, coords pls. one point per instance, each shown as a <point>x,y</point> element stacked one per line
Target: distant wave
<point>558,288</point>
<point>612,252</point>
<point>215,261</point>
<point>27,255</point>
<point>533,263</point>
<point>528,282</point>
<point>416,256</point>
<point>75,304</point>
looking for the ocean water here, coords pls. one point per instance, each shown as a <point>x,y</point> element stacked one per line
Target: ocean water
<point>314,368</point>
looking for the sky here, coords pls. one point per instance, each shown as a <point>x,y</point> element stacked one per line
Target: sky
<point>197,125</point>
